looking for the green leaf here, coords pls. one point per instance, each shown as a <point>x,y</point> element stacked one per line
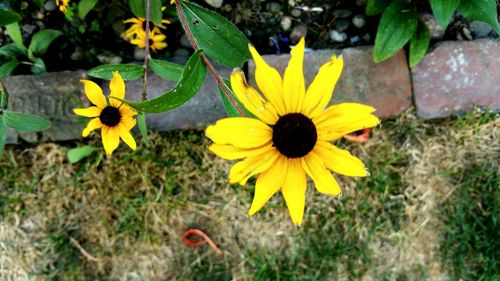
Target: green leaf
<point>231,110</point>
<point>419,44</point>
<point>3,135</point>
<point>78,153</point>
<point>398,23</point>
<point>138,8</point>
<point>192,78</point>
<point>375,7</point>
<point>41,41</point>
<point>85,6</point>
<point>218,37</point>
<point>443,10</point>
<point>6,68</point>
<point>38,66</point>
<point>39,3</point>
<point>166,70</point>
<point>25,122</point>
<point>8,17</point>
<point>4,96</point>
<point>127,71</point>
<point>12,50</point>
<point>481,10</point>
<point>15,34</point>
<point>143,127</point>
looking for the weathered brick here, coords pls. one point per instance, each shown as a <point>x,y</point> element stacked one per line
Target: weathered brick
<point>456,76</point>
<point>386,86</point>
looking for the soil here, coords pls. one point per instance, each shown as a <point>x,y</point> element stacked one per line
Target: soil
<point>272,26</point>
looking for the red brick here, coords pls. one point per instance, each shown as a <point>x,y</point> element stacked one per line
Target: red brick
<point>456,76</point>
<point>386,86</point>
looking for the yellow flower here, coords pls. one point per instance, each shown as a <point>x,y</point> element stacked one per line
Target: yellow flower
<point>156,41</point>
<point>291,134</point>
<point>62,4</point>
<point>114,118</point>
<point>138,27</point>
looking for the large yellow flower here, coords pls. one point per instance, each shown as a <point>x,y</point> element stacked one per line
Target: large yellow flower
<point>114,118</point>
<point>62,4</point>
<point>291,133</point>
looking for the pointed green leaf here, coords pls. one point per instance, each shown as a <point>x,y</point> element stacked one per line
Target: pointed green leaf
<point>25,122</point>
<point>15,34</point>
<point>84,7</point>
<point>443,10</point>
<point>192,78</point>
<point>78,153</point>
<point>419,44</point>
<point>4,96</point>
<point>12,50</point>
<point>481,10</point>
<point>8,17</point>
<point>375,7</point>
<point>6,68</point>
<point>220,39</point>
<point>127,71</point>
<point>41,41</point>
<point>38,66</point>
<point>143,127</point>
<point>138,8</point>
<point>398,23</point>
<point>166,70</point>
<point>3,135</point>
<point>231,110</point>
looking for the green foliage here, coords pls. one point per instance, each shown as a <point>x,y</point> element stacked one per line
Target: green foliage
<point>15,34</point>
<point>127,71</point>
<point>231,110</point>
<point>443,10</point>
<point>6,68</point>
<point>12,50</point>
<point>166,70</point>
<point>396,28</point>
<point>470,245</point>
<point>41,41</point>
<point>481,10</point>
<point>419,44</point>
<point>85,6</point>
<point>218,37</point>
<point>3,134</point>
<point>38,66</point>
<point>8,17</point>
<point>78,153</point>
<point>25,122</point>
<point>143,128</point>
<point>192,78</point>
<point>375,7</point>
<point>138,7</point>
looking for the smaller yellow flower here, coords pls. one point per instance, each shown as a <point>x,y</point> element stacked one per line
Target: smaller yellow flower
<point>138,27</point>
<point>156,41</point>
<point>114,118</point>
<point>62,4</point>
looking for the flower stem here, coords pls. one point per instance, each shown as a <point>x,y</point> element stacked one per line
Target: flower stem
<point>146,53</point>
<point>209,65</point>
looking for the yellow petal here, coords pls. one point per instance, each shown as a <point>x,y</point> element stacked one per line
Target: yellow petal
<point>126,136</point>
<point>268,183</point>
<point>294,190</point>
<point>269,81</point>
<point>92,125</point>
<point>251,99</point>
<point>230,152</point>
<point>91,111</point>
<point>110,138</point>
<point>343,109</point>
<point>117,88</point>
<point>340,161</point>
<point>320,91</point>
<point>240,132</point>
<point>244,169</point>
<point>293,80</point>
<point>346,124</point>
<point>126,110</point>
<point>128,122</point>
<point>323,179</point>
<point>94,93</point>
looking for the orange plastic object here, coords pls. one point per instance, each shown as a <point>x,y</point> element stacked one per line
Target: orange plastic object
<point>359,136</point>
<point>205,239</point>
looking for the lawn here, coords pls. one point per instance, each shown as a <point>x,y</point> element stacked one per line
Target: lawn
<point>427,212</point>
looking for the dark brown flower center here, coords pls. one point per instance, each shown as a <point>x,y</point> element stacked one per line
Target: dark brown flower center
<point>110,116</point>
<point>294,135</point>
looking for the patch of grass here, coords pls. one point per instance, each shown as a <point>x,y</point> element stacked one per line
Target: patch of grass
<point>471,245</point>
